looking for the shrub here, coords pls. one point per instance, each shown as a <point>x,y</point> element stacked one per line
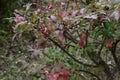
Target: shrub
<point>88,32</point>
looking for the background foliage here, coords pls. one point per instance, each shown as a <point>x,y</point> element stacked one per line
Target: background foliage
<point>43,42</point>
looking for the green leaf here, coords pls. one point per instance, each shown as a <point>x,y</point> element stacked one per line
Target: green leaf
<point>23,27</point>
<point>97,70</point>
<point>95,34</point>
<point>87,28</point>
<point>3,31</point>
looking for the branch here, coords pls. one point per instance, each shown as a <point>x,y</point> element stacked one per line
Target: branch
<point>113,51</point>
<point>92,56</point>
<point>101,47</point>
<point>69,36</point>
<point>106,68</point>
<point>115,70</point>
<point>71,56</point>
<point>67,6</point>
<point>90,74</point>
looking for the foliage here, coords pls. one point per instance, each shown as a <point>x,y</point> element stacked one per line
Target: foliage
<point>6,10</point>
<point>88,32</point>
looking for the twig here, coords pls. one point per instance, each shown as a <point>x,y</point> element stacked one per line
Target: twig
<point>90,74</point>
<point>69,36</point>
<point>101,47</point>
<point>92,57</point>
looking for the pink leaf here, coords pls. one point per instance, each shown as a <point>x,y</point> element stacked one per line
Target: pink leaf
<point>50,6</point>
<point>56,75</point>
<point>19,18</point>
<point>61,36</point>
<point>64,75</point>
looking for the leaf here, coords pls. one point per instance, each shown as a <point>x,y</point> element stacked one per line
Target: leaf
<point>64,75</point>
<point>23,27</point>
<point>19,24</point>
<point>34,17</point>
<point>52,1</point>
<point>86,27</point>
<point>3,37</point>
<point>59,17</point>
<point>90,48</point>
<point>3,31</point>
<point>95,33</point>
<point>97,70</point>
<point>28,6</point>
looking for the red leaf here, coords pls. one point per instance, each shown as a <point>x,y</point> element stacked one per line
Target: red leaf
<point>61,36</point>
<point>81,43</point>
<point>109,44</point>
<point>56,75</point>
<point>64,75</point>
<point>83,36</point>
<point>50,6</point>
<point>53,77</point>
<point>50,77</point>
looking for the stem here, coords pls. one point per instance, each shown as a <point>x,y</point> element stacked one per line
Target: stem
<point>90,74</point>
<point>90,55</point>
<point>113,51</point>
<point>67,6</point>
<point>99,61</point>
<point>101,47</point>
<point>70,37</point>
<point>106,68</point>
<point>71,56</point>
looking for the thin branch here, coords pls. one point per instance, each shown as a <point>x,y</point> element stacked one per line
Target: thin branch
<point>87,34</point>
<point>67,6</point>
<point>91,55</point>
<point>75,26</point>
<point>106,68</point>
<point>71,56</point>
<point>114,71</point>
<point>69,36</point>
<point>113,51</point>
<point>101,47</point>
<point>90,74</point>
